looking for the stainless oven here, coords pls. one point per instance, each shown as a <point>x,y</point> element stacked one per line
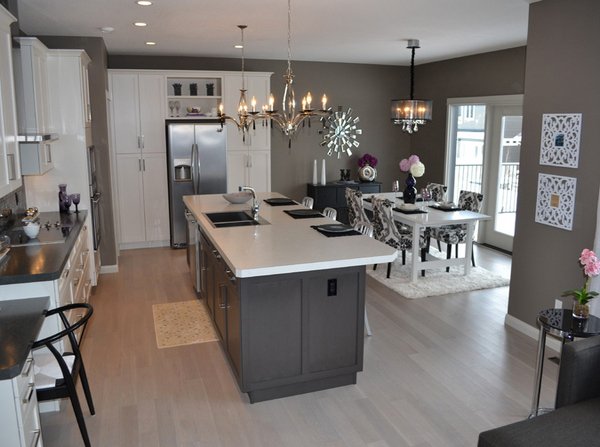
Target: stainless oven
<point>95,197</point>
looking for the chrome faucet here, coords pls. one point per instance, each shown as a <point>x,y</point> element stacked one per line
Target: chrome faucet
<point>255,204</point>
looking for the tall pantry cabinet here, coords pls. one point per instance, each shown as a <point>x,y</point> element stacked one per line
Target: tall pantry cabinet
<point>139,145</point>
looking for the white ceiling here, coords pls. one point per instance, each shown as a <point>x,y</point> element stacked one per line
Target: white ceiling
<point>356,31</point>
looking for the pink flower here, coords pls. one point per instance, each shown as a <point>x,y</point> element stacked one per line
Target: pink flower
<point>404,165</point>
<point>586,255</point>
<point>413,159</point>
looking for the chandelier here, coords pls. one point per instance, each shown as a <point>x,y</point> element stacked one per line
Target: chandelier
<point>288,119</point>
<point>411,113</point>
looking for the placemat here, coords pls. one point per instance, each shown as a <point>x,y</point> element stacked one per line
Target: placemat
<point>445,209</point>
<point>415,211</point>
<point>303,214</point>
<point>328,234</point>
<point>280,201</point>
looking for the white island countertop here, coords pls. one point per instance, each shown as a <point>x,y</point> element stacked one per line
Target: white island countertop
<point>285,244</point>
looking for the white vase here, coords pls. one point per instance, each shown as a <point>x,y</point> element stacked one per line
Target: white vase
<point>314,172</point>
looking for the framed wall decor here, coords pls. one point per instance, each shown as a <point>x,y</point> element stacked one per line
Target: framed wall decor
<point>561,133</point>
<point>555,201</point>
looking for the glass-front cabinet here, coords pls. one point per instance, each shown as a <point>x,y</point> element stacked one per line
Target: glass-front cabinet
<point>194,97</point>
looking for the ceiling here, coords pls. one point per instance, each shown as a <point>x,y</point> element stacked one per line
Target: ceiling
<point>352,31</point>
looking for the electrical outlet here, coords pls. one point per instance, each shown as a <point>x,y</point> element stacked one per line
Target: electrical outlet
<point>558,304</point>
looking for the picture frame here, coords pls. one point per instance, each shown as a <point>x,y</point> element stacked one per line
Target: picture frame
<point>561,135</point>
<point>555,204</point>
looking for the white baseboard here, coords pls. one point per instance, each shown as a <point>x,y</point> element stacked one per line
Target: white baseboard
<point>109,269</point>
<point>530,331</point>
<point>146,244</point>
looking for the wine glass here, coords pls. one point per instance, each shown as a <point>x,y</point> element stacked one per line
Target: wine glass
<point>67,203</point>
<point>171,107</point>
<point>76,198</point>
<point>177,107</point>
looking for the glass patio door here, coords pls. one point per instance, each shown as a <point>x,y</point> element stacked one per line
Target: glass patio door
<point>483,148</point>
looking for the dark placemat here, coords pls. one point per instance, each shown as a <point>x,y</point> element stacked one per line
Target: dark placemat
<point>329,234</point>
<point>280,201</point>
<point>415,211</point>
<point>303,214</point>
<point>445,209</point>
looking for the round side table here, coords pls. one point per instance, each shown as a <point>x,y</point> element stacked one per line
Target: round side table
<point>560,323</point>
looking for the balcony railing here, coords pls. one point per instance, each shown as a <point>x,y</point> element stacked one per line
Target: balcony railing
<point>468,178</point>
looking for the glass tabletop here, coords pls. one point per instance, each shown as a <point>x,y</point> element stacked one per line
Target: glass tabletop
<point>560,322</point>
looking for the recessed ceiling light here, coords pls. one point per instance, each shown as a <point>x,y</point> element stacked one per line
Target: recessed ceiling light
<point>140,23</point>
<point>238,46</point>
<point>150,44</point>
<point>144,2</point>
<point>107,29</point>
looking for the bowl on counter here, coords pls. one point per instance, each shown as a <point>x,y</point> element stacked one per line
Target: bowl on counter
<point>238,197</point>
<point>32,229</point>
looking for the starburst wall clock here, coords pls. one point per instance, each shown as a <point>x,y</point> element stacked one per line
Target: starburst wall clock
<point>340,132</point>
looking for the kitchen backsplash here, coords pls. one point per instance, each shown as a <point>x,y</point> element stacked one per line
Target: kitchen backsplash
<point>15,201</point>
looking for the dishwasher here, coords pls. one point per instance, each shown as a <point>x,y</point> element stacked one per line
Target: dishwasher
<point>193,249</point>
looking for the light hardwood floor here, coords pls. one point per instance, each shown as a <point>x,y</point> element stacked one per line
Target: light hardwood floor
<point>437,371</point>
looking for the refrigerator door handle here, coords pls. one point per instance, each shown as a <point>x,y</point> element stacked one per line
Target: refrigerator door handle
<point>195,168</point>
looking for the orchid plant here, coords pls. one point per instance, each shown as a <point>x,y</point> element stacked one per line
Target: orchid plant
<point>413,165</point>
<point>367,159</point>
<point>591,267</point>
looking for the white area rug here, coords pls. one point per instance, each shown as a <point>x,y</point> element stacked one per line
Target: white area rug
<point>182,323</point>
<point>436,282</point>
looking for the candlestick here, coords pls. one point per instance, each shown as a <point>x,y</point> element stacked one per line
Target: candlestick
<point>323,181</point>
<point>315,172</point>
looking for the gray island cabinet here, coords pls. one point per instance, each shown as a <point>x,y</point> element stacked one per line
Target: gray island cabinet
<point>287,302</point>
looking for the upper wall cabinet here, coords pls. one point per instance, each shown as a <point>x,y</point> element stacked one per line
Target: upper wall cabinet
<point>138,107</point>
<point>193,97</point>
<point>10,171</point>
<point>31,84</point>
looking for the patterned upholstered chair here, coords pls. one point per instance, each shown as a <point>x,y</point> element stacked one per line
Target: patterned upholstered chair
<point>386,231</point>
<point>356,212</point>
<point>457,234</point>
<point>438,191</point>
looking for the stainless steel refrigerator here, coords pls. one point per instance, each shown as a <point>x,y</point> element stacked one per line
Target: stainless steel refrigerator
<point>197,164</point>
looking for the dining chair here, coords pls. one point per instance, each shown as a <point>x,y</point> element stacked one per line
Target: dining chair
<point>58,372</point>
<point>308,202</point>
<point>438,191</point>
<point>365,228</point>
<point>386,231</point>
<point>330,212</point>
<point>457,234</point>
<point>356,212</point>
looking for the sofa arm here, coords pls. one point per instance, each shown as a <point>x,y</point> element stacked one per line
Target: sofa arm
<point>579,372</point>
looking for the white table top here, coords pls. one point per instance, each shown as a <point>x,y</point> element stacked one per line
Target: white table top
<point>433,217</point>
<point>286,245</point>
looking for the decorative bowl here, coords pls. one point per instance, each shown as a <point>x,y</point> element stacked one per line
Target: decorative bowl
<point>195,109</point>
<point>32,229</point>
<point>238,197</point>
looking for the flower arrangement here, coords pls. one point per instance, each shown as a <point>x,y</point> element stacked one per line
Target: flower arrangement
<point>591,267</point>
<point>413,165</point>
<point>367,159</point>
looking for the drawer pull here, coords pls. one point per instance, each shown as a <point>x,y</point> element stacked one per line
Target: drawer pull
<point>85,228</point>
<point>30,389</point>
<point>65,273</point>
<point>27,368</point>
<point>76,282</point>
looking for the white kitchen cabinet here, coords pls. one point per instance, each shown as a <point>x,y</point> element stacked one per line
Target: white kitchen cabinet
<point>36,157</point>
<point>19,416</point>
<point>10,169</point>
<point>31,86</point>
<point>142,200</point>
<point>249,168</point>
<point>138,112</point>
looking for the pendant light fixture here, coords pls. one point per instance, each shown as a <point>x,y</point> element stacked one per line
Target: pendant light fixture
<point>411,113</point>
<point>288,119</point>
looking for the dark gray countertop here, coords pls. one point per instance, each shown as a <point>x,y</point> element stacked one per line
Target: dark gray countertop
<point>20,324</point>
<point>34,263</point>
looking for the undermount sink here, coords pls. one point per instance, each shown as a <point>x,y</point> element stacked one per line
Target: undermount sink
<point>233,219</point>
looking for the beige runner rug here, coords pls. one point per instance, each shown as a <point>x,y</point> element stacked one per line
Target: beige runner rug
<point>182,323</point>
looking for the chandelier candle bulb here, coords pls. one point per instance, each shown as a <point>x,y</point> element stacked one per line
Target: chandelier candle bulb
<point>308,99</point>
<point>324,102</point>
<point>271,102</point>
<point>303,103</point>
<point>253,102</point>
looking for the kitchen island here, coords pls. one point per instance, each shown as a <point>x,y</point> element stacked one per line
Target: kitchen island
<point>287,301</point>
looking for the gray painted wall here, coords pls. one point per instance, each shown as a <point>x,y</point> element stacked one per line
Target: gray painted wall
<point>561,77</point>
<point>98,79</point>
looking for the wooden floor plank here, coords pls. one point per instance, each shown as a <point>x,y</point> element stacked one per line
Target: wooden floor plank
<point>437,371</point>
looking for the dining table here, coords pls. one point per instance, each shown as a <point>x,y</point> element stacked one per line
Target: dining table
<point>431,214</point>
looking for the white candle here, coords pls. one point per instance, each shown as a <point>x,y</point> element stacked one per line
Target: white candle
<point>315,172</point>
<point>324,102</point>
<point>323,181</point>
